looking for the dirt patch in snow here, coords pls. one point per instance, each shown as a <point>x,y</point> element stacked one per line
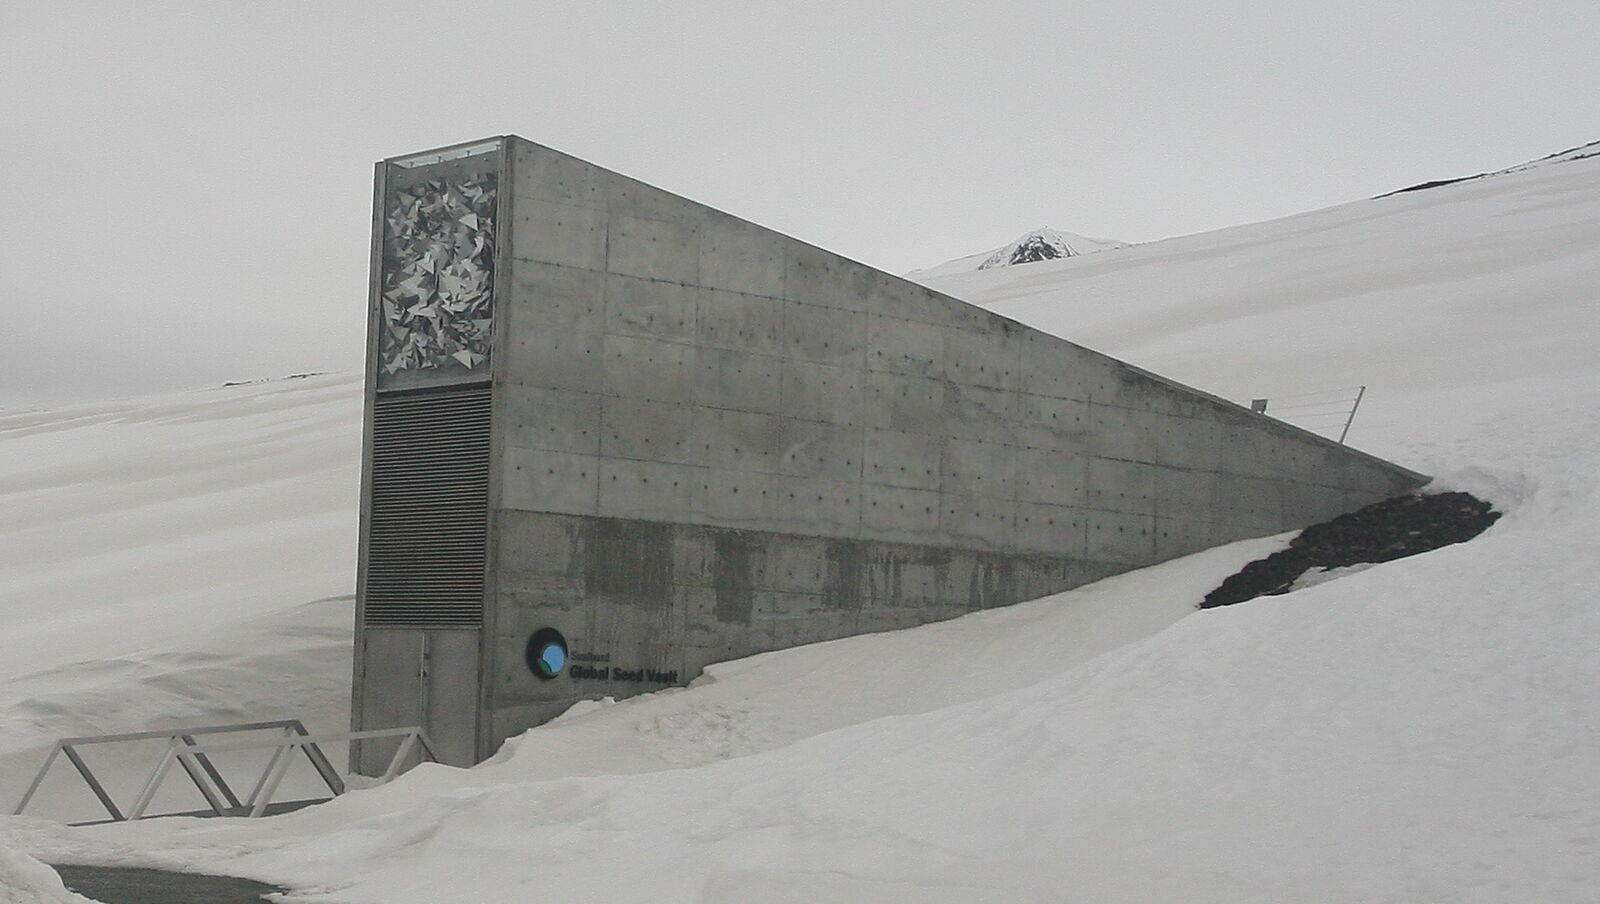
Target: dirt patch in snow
<point>1381,532</point>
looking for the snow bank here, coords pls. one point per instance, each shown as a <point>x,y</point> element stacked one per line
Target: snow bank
<point>24,880</point>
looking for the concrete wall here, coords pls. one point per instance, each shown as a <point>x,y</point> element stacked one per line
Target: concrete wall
<point>712,439</point>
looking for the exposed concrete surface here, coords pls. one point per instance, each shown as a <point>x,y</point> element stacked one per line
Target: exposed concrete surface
<point>673,598</point>
<point>748,436</point>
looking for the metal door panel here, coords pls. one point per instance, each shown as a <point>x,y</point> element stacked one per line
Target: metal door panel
<point>391,691</point>
<point>451,696</point>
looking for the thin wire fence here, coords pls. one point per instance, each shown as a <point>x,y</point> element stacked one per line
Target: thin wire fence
<point>1327,412</point>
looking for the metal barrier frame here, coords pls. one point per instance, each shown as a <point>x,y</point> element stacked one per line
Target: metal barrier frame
<point>184,750</point>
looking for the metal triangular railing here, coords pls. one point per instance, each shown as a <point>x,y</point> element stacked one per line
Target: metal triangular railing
<point>194,757</point>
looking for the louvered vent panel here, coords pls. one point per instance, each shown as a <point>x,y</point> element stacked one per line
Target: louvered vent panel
<point>427,533</point>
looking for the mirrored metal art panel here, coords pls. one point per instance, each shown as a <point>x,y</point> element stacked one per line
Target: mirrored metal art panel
<point>438,278</point>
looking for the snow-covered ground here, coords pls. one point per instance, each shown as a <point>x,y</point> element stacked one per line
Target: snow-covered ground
<point>1424,730</point>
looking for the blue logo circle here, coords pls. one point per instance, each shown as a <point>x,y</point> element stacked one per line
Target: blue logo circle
<point>547,653</point>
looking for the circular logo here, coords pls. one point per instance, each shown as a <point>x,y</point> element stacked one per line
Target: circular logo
<point>547,653</point>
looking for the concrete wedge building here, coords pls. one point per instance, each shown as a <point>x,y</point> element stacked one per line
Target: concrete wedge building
<point>613,436</point>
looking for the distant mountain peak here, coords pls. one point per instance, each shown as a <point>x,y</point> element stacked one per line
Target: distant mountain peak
<point>1042,244</point>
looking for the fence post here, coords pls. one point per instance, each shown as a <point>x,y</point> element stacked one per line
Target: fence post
<point>1347,421</point>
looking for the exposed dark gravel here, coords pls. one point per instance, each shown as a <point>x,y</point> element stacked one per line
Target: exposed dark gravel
<point>1392,529</point>
<point>128,885</point>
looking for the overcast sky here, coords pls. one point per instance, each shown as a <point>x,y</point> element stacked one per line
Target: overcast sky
<point>186,189</point>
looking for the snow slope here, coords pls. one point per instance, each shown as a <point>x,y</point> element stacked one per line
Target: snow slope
<point>178,559</point>
<point>153,519</point>
<point>1423,730</point>
<point>1477,295</point>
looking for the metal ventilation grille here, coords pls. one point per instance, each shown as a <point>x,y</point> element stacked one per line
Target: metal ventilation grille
<point>427,531</point>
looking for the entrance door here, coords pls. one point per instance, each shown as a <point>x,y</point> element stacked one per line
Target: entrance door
<point>419,677</point>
